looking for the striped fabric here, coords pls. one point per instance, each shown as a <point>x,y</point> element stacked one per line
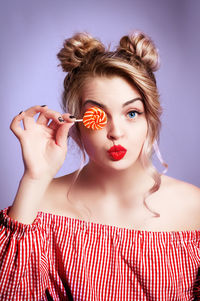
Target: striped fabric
<point>61,258</point>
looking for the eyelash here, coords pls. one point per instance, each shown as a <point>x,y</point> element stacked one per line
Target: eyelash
<point>138,113</point>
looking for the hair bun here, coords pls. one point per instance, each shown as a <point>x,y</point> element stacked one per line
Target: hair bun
<point>76,48</point>
<point>139,45</point>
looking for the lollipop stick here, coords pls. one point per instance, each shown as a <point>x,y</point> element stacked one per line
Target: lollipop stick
<point>78,120</point>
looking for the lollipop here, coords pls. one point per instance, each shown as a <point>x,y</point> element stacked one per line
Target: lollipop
<point>94,118</point>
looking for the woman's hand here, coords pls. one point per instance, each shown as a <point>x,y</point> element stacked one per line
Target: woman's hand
<point>43,141</point>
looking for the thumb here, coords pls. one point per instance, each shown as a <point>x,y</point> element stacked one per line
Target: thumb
<point>62,133</point>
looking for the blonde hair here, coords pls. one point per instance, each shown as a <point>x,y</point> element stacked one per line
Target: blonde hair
<point>136,59</point>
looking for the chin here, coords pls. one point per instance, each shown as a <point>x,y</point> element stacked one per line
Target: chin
<point>120,165</point>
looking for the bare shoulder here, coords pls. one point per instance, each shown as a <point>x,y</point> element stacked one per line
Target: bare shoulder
<point>178,203</point>
<point>180,186</point>
<point>184,192</point>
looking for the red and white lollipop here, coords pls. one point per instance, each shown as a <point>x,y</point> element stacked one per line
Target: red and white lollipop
<point>94,118</point>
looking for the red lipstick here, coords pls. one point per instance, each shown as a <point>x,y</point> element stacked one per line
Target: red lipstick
<point>117,152</point>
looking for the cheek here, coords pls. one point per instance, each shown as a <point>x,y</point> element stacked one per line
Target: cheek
<point>139,134</point>
<point>144,131</point>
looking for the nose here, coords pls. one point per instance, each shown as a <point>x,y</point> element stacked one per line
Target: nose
<point>114,130</point>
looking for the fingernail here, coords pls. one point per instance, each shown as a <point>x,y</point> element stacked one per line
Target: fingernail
<point>71,116</point>
<point>60,119</point>
<point>43,105</point>
<point>20,112</point>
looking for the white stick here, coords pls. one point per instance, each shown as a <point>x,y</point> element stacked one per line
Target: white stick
<point>78,120</point>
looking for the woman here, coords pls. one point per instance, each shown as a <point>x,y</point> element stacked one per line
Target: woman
<point>115,229</point>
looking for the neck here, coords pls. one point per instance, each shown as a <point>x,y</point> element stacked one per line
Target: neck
<point>131,181</point>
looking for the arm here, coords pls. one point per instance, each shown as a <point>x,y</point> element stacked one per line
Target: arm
<point>44,148</point>
<point>28,199</point>
<point>23,242</point>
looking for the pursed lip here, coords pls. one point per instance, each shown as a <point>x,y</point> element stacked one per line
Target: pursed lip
<point>117,152</point>
<point>117,148</point>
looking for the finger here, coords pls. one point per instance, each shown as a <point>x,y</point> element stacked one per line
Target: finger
<point>42,119</point>
<point>32,111</point>
<point>28,120</point>
<point>54,115</point>
<point>62,134</point>
<point>68,117</point>
<point>53,125</point>
<point>15,125</point>
<point>46,115</point>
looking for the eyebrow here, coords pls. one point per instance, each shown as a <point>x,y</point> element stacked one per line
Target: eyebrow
<point>104,107</point>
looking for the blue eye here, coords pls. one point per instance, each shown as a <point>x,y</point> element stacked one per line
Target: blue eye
<point>132,114</point>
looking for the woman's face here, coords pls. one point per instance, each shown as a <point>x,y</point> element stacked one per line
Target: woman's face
<point>126,122</point>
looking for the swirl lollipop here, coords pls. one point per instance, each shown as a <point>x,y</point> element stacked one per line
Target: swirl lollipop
<point>94,118</point>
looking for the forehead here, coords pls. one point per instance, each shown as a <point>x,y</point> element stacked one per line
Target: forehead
<point>108,90</point>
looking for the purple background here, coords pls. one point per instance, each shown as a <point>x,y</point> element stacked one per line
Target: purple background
<point>32,33</point>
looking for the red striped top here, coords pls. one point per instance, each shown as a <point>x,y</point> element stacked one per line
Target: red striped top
<point>62,258</point>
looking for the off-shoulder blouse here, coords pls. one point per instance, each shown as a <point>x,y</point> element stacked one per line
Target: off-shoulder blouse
<point>62,258</point>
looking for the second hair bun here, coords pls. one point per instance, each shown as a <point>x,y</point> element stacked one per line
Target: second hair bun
<point>139,45</point>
